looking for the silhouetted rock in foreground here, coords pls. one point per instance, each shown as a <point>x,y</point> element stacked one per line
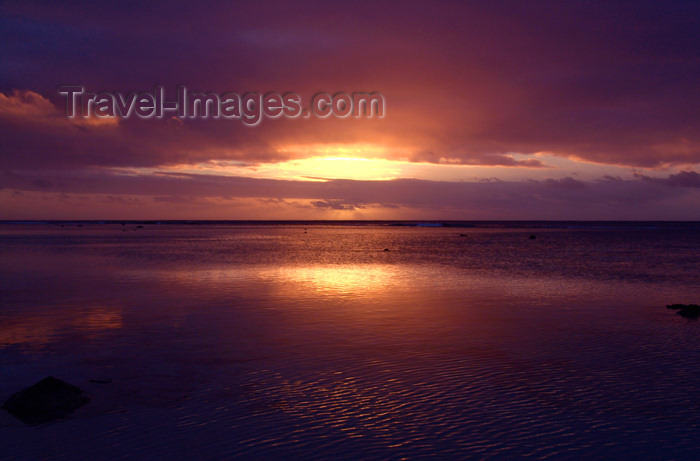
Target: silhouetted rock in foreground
<point>689,311</point>
<point>45,401</point>
<point>532,237</point>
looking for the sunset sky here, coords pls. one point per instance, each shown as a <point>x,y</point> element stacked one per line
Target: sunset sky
<point>494,110</point>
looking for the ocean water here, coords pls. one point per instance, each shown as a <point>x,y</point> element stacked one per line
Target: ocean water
<point>308,340</point>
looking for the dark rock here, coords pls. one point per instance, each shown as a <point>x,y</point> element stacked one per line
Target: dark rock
<point>532,237</point>
<point>139,227</point>
<point>386,249</point>
<point>45,401</point>
<point>689,311</point>
<point>462,235</point>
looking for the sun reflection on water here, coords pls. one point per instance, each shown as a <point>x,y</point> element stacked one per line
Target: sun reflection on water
<point>337,280</point>
<point>291,280</point>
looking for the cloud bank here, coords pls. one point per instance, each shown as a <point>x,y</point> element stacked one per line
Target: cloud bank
<point>483,83</point>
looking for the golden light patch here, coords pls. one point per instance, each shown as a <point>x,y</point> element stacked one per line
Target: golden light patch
<point>338,280</point>
<point>339,168</point>
<point>335,150</point>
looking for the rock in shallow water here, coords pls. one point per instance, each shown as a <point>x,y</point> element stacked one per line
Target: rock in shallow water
<point>45,401</point>
<point>690,311</point>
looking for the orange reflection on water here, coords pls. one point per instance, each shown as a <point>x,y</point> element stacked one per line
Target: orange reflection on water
<point>337,280</point>
<point>36,329</point>
<point>328,279</point>
<point>98,319</point>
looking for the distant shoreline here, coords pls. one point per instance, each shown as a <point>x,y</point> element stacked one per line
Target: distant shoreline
<point>482,224</point>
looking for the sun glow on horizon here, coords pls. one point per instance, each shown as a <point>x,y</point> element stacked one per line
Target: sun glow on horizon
<point>342,150</point>
<point>377,162</point>
<point>324,168</point>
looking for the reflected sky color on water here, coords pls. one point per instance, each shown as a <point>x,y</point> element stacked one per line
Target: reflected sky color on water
<point>266,341</point>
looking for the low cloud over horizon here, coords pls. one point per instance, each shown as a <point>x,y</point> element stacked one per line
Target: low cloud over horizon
<point>197,196</point>
<point>509,110</point>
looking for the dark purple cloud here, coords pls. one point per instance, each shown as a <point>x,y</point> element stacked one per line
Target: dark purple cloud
<point>549,199</point>
<point>683,179</point>
<point>611,82</point>
<point>473,83</point>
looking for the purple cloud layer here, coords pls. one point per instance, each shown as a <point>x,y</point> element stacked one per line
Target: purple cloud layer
<point>674,197</point>
<point>477,83</point>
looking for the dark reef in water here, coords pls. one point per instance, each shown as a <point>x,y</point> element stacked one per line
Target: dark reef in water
<point>689,311</point>
<point>45,401</point>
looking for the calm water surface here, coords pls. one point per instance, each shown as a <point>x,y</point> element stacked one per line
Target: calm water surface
<point>312,342</point>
